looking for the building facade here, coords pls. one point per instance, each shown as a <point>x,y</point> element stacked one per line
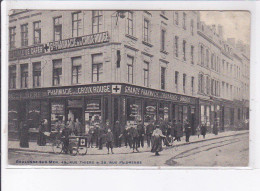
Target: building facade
<point>99,66</point>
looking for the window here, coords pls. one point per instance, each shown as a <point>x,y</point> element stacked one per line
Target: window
<point>176,80</point>
<point>97,18</point>
<point>24,35</point>
<point>77,24</point>
<point>176,17</point>
<point>192,54</point>
<point>200,84</point>
<point>24,75</point>
<point>12,37</point>
<point>184,49</point>
<point>192,85</point>
<point>146,74</point>
<point>184,21</point>
<point>184,83</point>
<point>57,28</point>
<point>37,32</point>
<point>202,55</point>
<point>97,67</point>
<point>212,87</point>
<point>146,30</point>
<point>36,74</point>
<point>57,72</point>
<point>163,35</point>
<point>12,77</point>
<point>76,70</point>
<point>208,85</point>
<point>163,71</point>
<point>130,65</point>
<point>176,46</point>
<point>130,23</point>
<point>192,27</point>
<point>207,58</point>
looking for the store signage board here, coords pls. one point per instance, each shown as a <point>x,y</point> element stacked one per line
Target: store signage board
<point>49,47</point>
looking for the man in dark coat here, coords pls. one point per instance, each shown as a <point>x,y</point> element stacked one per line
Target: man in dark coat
<point>96,135</point>
<point>66,132</point>
<point>41,137</point>
<point>102,134</point>
<point>134,137</point>
<point>215,127</point>
<point>179,130</point>
<point>141,131</point>
<point>126,136</point>
<point>24,135</point>
<point>187,130</point>
<point>149,132</point>
<point>90,136</point>
<point>203,130</point>
<point>117,132</point>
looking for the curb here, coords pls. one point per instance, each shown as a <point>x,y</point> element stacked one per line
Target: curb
<point>164,147</point>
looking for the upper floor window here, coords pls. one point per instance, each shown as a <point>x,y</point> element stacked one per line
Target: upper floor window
<point>97,67</point>
<point>202,55</point>
<point>36,74</point>
<point>130,23</point>
<point>24,35</point>
<point>97,21</point>
<point>12,77</point>
<point>184,49</point>
<point>130,65</point>
<point>176,80</point>
<point>192,27</point>
<point>37,32</point>
<point>192,54</point>
<point>184,21</point>
<point>24,75</point>
<point>163,73</point>
<point>146,30</point>
<point>176,46</point>
<point>57,28</point>
<point>192,85</point>
<point>57,72</point>
<point>184,83</point>
<point>76,70</point>
<point>146,74</point>
<point>207,58</point>
<point>176,17</point>
<point>163,36</point>
<point>77,29</point>
<point>12,37</point>
<point>201,83</point>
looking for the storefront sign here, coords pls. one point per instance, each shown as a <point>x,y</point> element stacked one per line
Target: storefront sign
<point>78,41</point>
<point>25,52</point>
<point>57,108</point>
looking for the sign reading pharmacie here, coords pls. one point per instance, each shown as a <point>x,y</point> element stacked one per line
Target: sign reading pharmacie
<point>61,91</point>
<point>132,90</point>
<point>86,40</point>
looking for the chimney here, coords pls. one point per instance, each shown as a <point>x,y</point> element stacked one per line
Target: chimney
<point>220,31</point>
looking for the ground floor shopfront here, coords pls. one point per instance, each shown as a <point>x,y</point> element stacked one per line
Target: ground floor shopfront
<point>99,103</point>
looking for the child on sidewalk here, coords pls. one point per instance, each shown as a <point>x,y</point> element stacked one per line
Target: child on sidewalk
<point>109,141</point>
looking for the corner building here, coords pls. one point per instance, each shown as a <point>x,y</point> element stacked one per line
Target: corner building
<point>99,66</point>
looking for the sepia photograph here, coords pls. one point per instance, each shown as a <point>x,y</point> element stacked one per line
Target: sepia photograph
<point>140,88</point>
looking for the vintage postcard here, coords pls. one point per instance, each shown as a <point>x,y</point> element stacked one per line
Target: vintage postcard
<point>128,88</point>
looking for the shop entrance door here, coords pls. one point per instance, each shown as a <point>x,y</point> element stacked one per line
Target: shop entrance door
<point>75,113</point>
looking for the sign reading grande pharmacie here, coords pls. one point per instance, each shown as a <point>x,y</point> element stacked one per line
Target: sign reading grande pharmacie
<point>86,40</point>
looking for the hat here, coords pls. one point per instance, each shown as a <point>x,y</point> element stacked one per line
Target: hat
<point>157,126</point>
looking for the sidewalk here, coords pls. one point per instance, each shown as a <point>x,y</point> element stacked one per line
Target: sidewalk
<point>33,147</point>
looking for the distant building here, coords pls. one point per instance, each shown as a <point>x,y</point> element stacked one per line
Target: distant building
<point>102,66</point>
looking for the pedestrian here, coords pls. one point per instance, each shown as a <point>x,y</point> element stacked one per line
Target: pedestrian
<point>102,134</point>
<point>164,127</point>
<point>149,132</point>
<point>179,131</point>
<point>215,127</point>
<point>24,135</point>
<point>157,143</point>
<point>117,132</point>
<point>141,132</point>
<point>41,136</point>
<point>109,141</point>
<point>78,128</point>
<point>203,130</point>
<point>198,131</point>
<point>90,136</point>
<point>66,132</point>
<point>96,134</point>
<point>187,130</point>
<point>134,137</point>
<point>168,138</point>
<point>71,125</point>
<point>126,136</point>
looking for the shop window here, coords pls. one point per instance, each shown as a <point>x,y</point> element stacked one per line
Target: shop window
<point>77,24</point>
<point>76,70</point>
<point>12,34</point>
<point>134,110</point>
<point>97,67</point>
<point>37,32</point>
<point>202,114</point>
<point>164,111</point>
<point>57,26</point>
<point>13,116</point>
<point>130,23</point>
<point>24,35</point>
<point>57,72</point>
<point>36,74</point>
<point>12,77</point>
<point>93,112</point>
<point>150,111</point>
<point>24,75</point>
<point>57,112</point>
<point>97,19</point>
<point>130,65</point>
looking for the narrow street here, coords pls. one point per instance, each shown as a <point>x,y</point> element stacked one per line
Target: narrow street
<point>215,152</point>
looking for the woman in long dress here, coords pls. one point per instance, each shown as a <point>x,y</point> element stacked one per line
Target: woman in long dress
<point>24,135</point>
<point>157,142</point>
<point>41,137</point>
